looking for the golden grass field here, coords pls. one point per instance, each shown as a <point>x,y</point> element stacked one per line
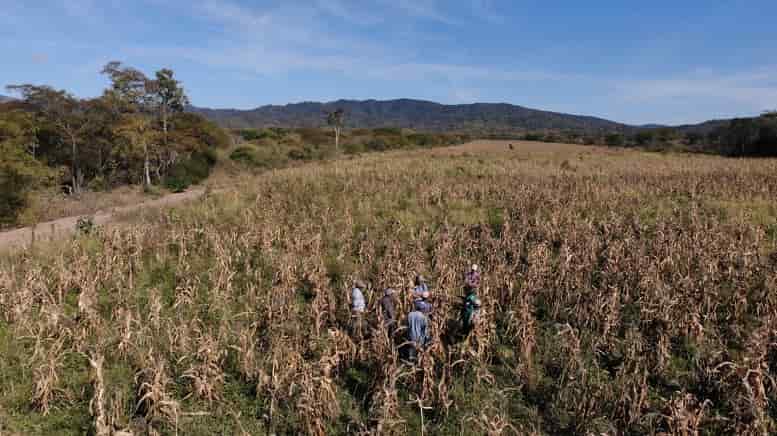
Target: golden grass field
<point>624,293</point>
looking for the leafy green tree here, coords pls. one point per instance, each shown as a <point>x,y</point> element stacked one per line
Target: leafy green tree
<point>138,131</point>
<point>167,96</point>
<point>67,114</point>
<point>128,91</point>
<point>133,95</point>
<point>20,173</point>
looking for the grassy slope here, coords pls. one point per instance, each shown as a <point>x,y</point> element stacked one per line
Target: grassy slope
<point>622,291</point>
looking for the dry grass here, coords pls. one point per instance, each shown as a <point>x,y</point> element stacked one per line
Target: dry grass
<point>619,299</point>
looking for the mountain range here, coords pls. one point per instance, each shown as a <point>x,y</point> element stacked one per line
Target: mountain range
<point>492,118</point>
<point>414,114</point>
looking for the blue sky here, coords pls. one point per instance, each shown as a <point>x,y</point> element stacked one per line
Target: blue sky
<point>636,62</point>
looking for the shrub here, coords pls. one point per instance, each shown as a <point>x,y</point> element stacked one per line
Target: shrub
<point>533,137</point>
<point>190,171</point>
<point>388,131</point>
<point>249,134</point>
<point>297,154</point>
<point>353,148</point>
<point>614,140</point>
<point>98,183</point>
<point>421,139</point>
<point>85,225</point>
<point>245,155</point>
<point>377,144</point>
<point>258,157</point>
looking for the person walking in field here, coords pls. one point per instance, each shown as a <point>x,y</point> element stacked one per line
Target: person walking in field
<point>470,310</point>
<point>417,333</point>
<point>421,294</point>
<point>420,287</point>
<point>422,304</point>
<point>472,279</point>
<point>388,310</point>
<point>358,303</point>
<point>358,307</point>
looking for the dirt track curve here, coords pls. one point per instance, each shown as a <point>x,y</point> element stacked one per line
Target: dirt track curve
<point>63,227</point>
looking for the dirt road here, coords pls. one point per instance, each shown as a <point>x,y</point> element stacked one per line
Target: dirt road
<point>63,227</point>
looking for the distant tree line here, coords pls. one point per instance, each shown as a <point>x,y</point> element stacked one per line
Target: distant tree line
<point>747,136</point>
<point>136,132</point>
<point>740,137</point>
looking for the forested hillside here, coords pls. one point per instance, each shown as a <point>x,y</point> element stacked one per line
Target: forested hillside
<point>412,114</point>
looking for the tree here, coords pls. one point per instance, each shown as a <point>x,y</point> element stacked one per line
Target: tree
<point>138,131</point>
<point>645,137</point>
<point>168,96</point>
<point>19,174</point>
<point>22,126</point>
<point>614,140</point>
<point>336,120</point>
<point>129,88</point>
<point>742,133</point>
<point>66,113</point>
<point>694,138</point>
<point>134,96</point>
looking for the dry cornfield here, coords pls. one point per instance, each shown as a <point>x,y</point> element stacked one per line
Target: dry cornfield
<point>624,293</point>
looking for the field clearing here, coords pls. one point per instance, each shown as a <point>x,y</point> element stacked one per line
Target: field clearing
<point>519,147</point>
<point>624,293</point>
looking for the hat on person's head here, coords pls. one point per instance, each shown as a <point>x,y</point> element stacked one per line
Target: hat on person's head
<point>422,306</point>
<point>474,267</point>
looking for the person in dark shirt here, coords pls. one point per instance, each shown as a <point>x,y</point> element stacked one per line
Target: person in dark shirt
<point>388,309</point>
<point>470,310</point>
